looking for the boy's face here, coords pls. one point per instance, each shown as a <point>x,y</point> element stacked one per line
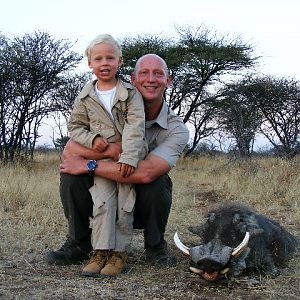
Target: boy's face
<point>104,61</point>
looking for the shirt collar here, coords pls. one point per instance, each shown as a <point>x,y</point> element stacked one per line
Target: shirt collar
<point>162,118</point>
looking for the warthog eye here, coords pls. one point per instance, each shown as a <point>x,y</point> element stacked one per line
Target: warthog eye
<point>236,219</point>
<point>211,217</point>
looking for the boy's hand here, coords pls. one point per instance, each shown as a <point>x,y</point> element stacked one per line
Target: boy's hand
<point>100,144</point>
<point>126,170</point>
<point>114,150</point>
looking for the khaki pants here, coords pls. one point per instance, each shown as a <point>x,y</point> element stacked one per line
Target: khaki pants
<point>112,222</point>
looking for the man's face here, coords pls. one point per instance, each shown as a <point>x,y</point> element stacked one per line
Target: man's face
<point>151,78</point>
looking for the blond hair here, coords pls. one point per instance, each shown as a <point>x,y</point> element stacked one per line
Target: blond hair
<point>103,38</point>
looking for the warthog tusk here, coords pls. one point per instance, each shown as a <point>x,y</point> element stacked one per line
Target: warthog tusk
<point>197,271</point>
<point>224,271</point>
<point>241,247</point>
<point>180,245</point>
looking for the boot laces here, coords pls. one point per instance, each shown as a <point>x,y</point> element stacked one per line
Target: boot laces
<point>98,256</point>
<point>115,258</point>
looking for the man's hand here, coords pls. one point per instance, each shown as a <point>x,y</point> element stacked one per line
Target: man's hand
<point>74,165</point>
<point>100,144</point>
<point>126,170</point>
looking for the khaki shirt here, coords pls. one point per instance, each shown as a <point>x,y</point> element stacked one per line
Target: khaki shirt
<point>89,119</point>
<point>167,135</point>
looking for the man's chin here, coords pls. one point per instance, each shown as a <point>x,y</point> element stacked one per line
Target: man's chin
<point>150,96</point>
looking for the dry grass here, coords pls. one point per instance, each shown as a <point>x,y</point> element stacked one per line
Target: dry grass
<point>32,222</point>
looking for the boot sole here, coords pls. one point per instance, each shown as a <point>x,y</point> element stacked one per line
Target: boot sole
<point>97,275</point>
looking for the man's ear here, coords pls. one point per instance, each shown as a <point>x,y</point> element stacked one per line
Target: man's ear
<point>169,80</point>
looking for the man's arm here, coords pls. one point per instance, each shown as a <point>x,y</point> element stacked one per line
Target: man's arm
<point>147,170</point>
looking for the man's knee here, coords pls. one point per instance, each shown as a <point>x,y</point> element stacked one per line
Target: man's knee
<point>155,196</point>
<point>75,195</point>
<point>75,181</point>
<point>161,183</point>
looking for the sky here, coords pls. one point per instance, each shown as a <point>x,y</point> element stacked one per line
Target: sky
<point>272,27</point>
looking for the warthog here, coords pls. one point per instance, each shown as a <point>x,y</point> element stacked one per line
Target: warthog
<point>236,238</point>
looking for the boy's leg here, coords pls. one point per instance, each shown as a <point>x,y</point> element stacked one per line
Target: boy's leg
<point>123,231</point>
<point>103,223</point>
<point>124,224</point>
<point>77,204</point>
<point>152,209</point>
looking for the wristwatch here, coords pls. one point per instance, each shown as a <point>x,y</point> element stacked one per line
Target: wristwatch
<point>91,165</point>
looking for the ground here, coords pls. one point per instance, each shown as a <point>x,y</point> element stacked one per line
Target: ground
<point>29,277</point>
<point>32,223</point>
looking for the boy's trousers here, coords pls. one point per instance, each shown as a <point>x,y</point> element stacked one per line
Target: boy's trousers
<point>112,221</point>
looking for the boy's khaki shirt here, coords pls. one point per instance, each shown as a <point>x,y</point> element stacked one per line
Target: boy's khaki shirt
<point>90,119</point>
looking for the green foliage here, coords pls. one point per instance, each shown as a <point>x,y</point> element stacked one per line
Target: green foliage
<point>197,60</point>
<point>239,117</point>
<point>32,67</point>
<point>278,102</point>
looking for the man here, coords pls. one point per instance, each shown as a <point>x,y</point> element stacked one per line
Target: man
<point>166,135</point>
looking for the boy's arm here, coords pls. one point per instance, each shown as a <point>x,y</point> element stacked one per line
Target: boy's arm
<point>133,135</point>
<point>73,148</point>
<point>79,125</point>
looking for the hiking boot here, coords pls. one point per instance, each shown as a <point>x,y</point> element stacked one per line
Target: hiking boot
<point>115,264</point>
<point>159,255</point>
<point>70,253</point>
<point>96,263</point>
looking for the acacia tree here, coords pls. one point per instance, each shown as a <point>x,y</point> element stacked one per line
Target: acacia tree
<point>239,117</point>
<point>6,95</point>
<point>278,100</point>
<point>33,66</point>
<point>198,60</point>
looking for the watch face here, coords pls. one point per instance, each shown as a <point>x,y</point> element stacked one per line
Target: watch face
<point>91,165</point>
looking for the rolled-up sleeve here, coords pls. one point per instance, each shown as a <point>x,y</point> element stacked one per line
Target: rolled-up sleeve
<point>171,142</point>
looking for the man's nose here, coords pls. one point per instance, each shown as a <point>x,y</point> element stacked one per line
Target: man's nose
<point>151,77</point>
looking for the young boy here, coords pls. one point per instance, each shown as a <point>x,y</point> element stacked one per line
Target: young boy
<point>109,110</point>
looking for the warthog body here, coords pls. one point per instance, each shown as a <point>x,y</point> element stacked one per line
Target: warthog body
<point>235,238</point>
